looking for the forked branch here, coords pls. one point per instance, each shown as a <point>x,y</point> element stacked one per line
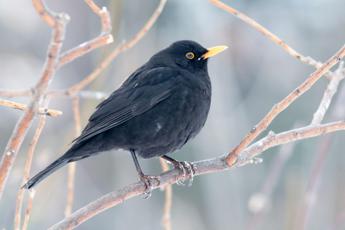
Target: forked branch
<point>283,104</point>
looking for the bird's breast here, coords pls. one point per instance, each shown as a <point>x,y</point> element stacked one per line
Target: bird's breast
<point>184,114</point>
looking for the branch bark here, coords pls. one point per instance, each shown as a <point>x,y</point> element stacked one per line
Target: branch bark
<point>26,174</point>
<point>72,166</point>
<point>328,95</point>
<point>20,106</point>
<point>166,220</point>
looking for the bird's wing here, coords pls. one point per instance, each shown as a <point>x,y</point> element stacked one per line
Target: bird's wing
<point>132,99</point>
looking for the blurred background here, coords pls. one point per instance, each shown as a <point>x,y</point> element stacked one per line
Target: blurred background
<point>247,79</point>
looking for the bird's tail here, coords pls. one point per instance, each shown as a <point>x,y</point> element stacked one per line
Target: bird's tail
<point>46,172</point>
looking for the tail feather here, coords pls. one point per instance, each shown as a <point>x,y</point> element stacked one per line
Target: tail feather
<point>46,172</point>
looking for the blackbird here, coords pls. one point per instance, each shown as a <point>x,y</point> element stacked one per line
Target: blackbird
<point>161,106</point>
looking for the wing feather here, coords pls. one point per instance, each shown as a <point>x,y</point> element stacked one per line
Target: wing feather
<point>150,88</point>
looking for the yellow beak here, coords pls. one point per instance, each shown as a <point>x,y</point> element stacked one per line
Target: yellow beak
<point>213,51</point>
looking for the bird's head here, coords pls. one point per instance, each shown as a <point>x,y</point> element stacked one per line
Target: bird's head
<point>187,54</point>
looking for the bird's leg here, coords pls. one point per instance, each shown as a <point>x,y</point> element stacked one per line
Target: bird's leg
<point>186,167</point>
<point>147,180</point>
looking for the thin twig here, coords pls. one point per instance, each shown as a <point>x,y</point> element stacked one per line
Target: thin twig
<point>85,48</point>
<point>283,104</point>
<point>273,139</point>
<point>119,49</point>
<point>201,167</point>
<point>260,201</point>
<point>72,166</point>
<point>16,93</point>
<point>327,97</point>
<point>104,38</point>
<point>47,16</point>
<point>76,88</point>
<point>54,93</point>
<point>28,210</point>
<point>319,115</point>
<point>20,106</point>
<point>102,14</point>
<point>166,218</point>
<point>268,34</point>
<point>23,124</point>
<point>57,22</point>
<point>27,168</point>
<point>311,193</point>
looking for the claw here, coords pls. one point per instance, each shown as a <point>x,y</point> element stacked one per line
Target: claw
<point>187,172</point>
<point>190,172</point>
<point>148,181</point>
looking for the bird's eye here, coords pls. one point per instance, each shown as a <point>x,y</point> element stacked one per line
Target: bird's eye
<point>190,55</point>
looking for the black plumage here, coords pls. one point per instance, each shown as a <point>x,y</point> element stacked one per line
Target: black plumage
<point>156,110</point>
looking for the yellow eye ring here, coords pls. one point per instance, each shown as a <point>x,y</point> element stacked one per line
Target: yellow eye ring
<point>190,55</point>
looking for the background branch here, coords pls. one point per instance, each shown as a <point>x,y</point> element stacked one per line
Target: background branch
<point>328,95</point>
<point>104,38</point>
<point>166,218</point>
<point>323,151</point>
<point>72,166</point>
<point>268,34</point>
<point>26,174</point>
<point>20,106</point>
<point>259,201</point>
<point>13,145</point>
<point>119,49</point>
<point>57,22</point>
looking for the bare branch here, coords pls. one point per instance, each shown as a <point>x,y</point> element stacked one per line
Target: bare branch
<point>261,200</point>
<point>20,106</point>
<point>28,210</point>
<point>77,88</point>
<point>72,166</point>
<point>330,91</point>
<point>286,150</point>
<point>103,39</point>
<point>311,193</point>
<point>27,168</point>
<point>55,93</point>
<point>166,220</point>
<point>85,48</point>
<point>272,139</point>
<point>119,49</point>
<point>313,184</point>
<point>251,22</point>
<point>44,13</point>
<point>16,93</point>
<point>103,14</point>
<point>200,167</point>
<point>57,23</point>
<point>283,104</point>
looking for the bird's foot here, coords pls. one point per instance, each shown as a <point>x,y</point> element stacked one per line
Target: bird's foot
<point>149,182</point>
<point>188,171</point>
